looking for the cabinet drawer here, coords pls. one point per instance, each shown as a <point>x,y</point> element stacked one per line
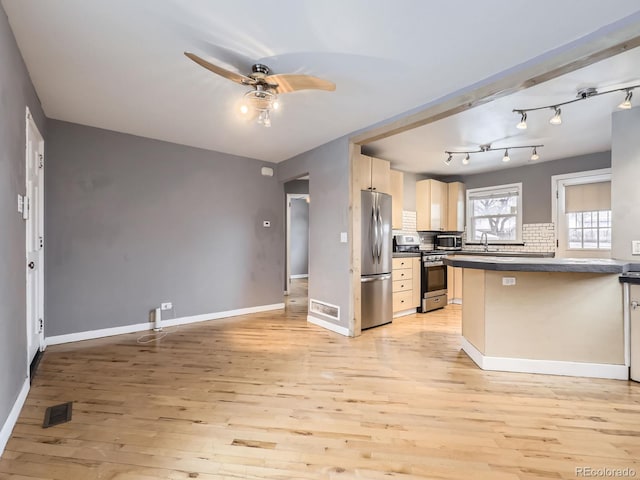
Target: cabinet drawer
<point>402,301</point>
<point>404,262</point>
<point>402,285</point>
<point>402,274</point>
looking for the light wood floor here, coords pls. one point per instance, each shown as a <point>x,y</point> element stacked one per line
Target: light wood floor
<point>268,396</point>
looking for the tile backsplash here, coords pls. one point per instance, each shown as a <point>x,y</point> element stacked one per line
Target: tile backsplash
<point>537,237</point>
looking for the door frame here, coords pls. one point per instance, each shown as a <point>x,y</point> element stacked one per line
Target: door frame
<point>32,133</point>
<point>558,182</point>
<point>290,196</point>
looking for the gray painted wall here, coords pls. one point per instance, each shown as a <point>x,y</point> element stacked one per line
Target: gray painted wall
<point>132,222</point>
<point>16,93</point>
<point>625,191</point>
<point>299,236</point>
<point>329,186</point>
<point>536,181</point>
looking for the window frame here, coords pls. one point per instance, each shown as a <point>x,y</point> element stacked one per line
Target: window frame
<point>598,228</point>
<point>494,189</point>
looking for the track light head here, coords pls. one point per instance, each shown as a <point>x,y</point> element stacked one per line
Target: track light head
<point>522,125</point>
<point>465,160</point>
<point>626,104</point>
<point>557,118</point>
<point>506,156</point>
<point>448,160</point>
<point>534,154</point>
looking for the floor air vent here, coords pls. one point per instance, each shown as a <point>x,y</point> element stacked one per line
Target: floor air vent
<point>57,414</point>
<point>323,308</point>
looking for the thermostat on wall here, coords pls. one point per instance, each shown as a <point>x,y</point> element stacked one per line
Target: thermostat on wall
<point>267,172</point>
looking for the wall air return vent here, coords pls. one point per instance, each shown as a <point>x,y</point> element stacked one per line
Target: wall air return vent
<point>325,309</point>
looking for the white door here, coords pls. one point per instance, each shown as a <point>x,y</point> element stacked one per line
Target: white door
<point>33,212</point>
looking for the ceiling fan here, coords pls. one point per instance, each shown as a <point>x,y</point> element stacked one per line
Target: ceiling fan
<point>263,96</point>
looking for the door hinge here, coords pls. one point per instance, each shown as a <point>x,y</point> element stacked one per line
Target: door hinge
<point>557,243</point>
<point>40,325</point>
<point>25,207</point>
<point>557,194</point>
<point>41,158</point>
<point>41,242</point>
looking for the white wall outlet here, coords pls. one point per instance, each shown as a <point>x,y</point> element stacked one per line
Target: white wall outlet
<point>635,247</point>
<point>343,237</point>
<point>266,223</point>
<point>166,306</point>
<point>508,281</point>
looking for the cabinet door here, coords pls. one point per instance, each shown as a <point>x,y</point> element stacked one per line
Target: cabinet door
<point>431,205</point>
<point>416,264</point>
<point>457,283</point>
<point>439,202</point>
<point>380,175</point>
<point>423,205</point>
<point>363,172</point>
<point>397,194</point>
<point>456,202</point>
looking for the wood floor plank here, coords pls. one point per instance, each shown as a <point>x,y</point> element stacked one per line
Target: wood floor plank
<point>269,396</point>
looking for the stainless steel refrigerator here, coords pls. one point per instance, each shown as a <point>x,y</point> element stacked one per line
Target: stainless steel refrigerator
<point>376,283</point>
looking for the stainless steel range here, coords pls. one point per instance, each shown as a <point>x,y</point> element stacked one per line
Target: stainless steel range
<point>434,281</point>
<point>433,277</point>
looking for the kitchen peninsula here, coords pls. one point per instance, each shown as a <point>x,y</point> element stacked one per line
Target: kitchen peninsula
<point>544,315</point>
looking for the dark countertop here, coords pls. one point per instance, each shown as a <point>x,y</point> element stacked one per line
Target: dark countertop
<point>524,264</point>
<point>405,254</point>
<point>504,254</point>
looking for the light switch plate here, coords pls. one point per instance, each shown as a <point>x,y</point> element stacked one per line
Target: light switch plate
<point>266,223</point>
<point>343,237</point>
<point>508,281</point>
<point>635,247</point>
<point>20,203</point>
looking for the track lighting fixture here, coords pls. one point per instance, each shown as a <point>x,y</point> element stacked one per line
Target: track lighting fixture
<point>448,160</point>
<point>583,94</point>
<point>534,154</point>
<point>487,148</point>
<point>523,121</point>
<point>557,118</point>
<point>626,104</point>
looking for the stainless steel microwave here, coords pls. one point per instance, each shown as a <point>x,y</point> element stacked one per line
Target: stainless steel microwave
<point>448,242</point>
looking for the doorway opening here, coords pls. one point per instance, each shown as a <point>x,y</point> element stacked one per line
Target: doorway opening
<point>297,244</point>
<point>33,213</point>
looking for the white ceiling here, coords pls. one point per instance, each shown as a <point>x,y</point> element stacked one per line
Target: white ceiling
<point>119,64</point>
<point>585,128</point>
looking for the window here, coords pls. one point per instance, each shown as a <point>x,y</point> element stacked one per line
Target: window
<point>589,230</point>
<point>496,211</point>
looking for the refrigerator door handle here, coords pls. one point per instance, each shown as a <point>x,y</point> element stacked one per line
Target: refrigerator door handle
<point>373,232</point>
<point>380,234</point>
<point>375,279</point>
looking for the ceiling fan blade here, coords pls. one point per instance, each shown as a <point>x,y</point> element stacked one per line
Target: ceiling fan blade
<point>236,77</point>
<point>290,82</point>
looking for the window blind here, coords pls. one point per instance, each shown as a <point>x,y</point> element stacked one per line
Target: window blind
<point>587,197</point>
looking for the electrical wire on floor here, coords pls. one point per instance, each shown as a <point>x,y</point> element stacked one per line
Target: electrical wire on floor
<point>159,335</point>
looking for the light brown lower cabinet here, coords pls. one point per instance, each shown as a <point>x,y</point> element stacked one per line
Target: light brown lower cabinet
<point>406,284</point>
<point>454,284</point>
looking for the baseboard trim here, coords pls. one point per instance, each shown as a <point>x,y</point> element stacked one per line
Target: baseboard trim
<point>10,422</point>
<point>546,367</point>
<point>300,275</point>
<point>405,312</point>
<point>139,327</point>
<point>328,325</point>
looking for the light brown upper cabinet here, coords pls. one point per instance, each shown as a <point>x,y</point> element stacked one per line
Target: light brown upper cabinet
<point>375,174</point>
<point>455,209</point>
<point>431,205</point>
<point>397,194</point>
<point>439,205</point>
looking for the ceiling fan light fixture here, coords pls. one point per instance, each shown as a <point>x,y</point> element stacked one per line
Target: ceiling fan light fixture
<point>557,116</point>
<point>244,109</point>
<point>626,104</point>
<point>522,125</point>
<point>506,156</point>
<point>534,154</point>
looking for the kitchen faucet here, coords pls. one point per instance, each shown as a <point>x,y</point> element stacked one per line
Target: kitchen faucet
<point>484,241</point>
